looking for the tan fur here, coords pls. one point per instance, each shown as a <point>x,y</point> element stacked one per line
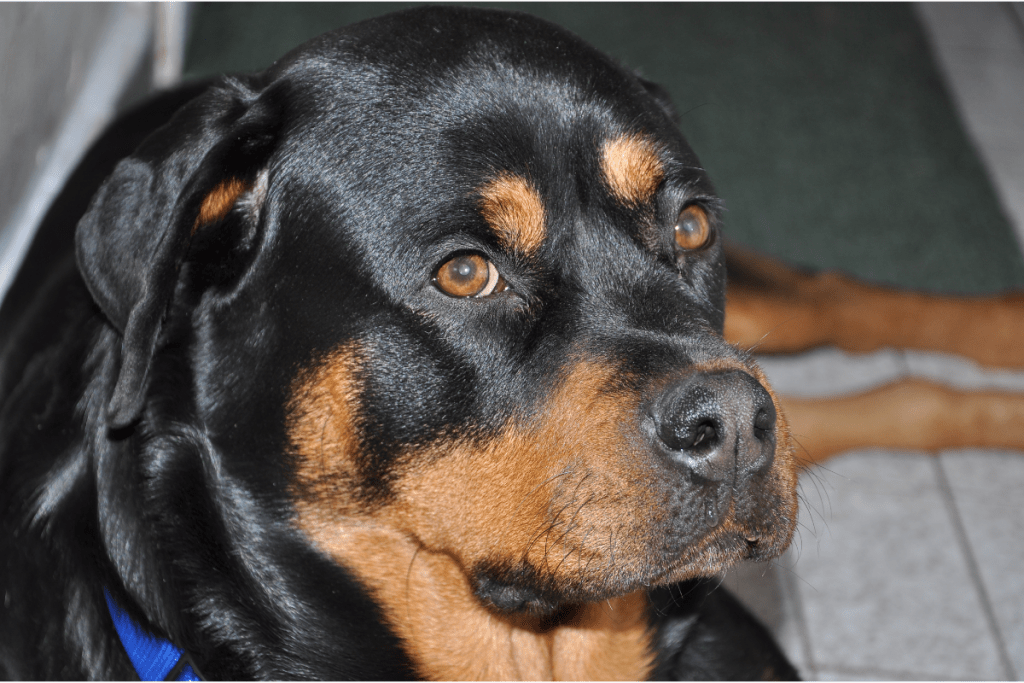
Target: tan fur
<point>451,636</point>
<point>513,208</point>
<point>631,168</point>
<point>775,308</point>
<point>907,414</point>
<point>219,202</point>
<point>522,494</point>
<point>322,428</point>
<point>568,492</point>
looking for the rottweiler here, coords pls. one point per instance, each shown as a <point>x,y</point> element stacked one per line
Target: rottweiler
<point>400,359</point>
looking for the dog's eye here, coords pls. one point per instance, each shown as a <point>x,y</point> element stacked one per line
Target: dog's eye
<point>693,230</point>
<point>469,275</point>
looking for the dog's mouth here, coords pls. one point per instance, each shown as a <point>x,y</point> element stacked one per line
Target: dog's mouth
<point>524,590</point>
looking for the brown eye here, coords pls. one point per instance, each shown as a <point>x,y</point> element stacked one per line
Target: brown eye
<point>693,230</point>
<point>470,275</point>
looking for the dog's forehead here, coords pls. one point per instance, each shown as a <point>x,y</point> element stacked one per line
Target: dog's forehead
<point>419,47</point>
<point>470,77</point>
<point>423,112</point>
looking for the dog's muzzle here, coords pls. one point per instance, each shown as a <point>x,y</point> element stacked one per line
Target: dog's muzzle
<point>719,426</point>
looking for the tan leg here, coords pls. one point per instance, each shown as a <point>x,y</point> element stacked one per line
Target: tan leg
<point>775,308</point>
<point>910,414</point>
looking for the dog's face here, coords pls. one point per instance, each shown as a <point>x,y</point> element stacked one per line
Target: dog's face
<point>452,281</point>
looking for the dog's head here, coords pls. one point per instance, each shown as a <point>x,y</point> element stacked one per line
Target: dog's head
<point>449,283</point>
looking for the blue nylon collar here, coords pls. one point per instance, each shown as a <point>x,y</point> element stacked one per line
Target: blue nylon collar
<point>154,659</point>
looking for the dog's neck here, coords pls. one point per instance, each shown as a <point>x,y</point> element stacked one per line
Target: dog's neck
<point>449,635</point>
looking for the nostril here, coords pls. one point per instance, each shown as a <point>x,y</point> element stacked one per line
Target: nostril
<point>704,435</point>
<point>688,422</point>
<point>695,436</point>
<point>764,422</point>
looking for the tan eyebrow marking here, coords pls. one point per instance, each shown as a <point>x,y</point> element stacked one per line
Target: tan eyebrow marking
<point>219,202</point>
<point>513,208</point>
<point>631,168</point>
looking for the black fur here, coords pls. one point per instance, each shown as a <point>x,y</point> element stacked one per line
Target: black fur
<point>144,384</point>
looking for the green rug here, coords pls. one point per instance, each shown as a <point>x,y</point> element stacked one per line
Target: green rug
<point>826,128</point>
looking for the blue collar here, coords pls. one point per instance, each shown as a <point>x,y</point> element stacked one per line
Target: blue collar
<point>154,659</point>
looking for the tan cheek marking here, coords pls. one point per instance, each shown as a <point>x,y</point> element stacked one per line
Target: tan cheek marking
<point>560,496</point>
<point>514,210</point>
<point>219,201</point>
<point>631,168</point>
<point>322,431</point>
<point>471,504</point>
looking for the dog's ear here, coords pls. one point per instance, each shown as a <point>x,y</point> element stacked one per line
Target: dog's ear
<point>131,241</point>
<point>662,97</point>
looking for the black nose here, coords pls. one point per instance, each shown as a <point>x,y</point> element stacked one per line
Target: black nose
<point>719,425</point>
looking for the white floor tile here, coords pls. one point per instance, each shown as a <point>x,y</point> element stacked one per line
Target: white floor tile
<point>829,370</point>
<point>875,675</point>
<point>961,372</point>
<point>989,87</point>
<point>883,583</point>
<point>988,488</point>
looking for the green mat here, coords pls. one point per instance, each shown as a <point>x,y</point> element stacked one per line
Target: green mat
<point>826,128</point>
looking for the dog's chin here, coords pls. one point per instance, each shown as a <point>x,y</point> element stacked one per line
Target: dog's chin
<point>520,594</point>
<point>524,593</point>
<point>550,607</point>
<point>515,598</point>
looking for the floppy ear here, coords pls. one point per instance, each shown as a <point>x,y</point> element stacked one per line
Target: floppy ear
<point>132,240</point>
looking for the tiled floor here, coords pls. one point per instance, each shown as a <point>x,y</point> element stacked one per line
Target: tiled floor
<point>910,566</point>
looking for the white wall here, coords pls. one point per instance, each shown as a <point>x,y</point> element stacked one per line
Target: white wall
<point>65,71</point>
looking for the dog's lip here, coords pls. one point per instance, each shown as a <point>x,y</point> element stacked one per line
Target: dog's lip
<point>716,551</point>
<point>710,559</point>
<point>713,553</point>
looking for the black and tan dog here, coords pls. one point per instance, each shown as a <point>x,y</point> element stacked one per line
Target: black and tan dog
<point>401,358</point>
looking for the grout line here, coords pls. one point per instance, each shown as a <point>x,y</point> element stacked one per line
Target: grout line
<point>972,567</point>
